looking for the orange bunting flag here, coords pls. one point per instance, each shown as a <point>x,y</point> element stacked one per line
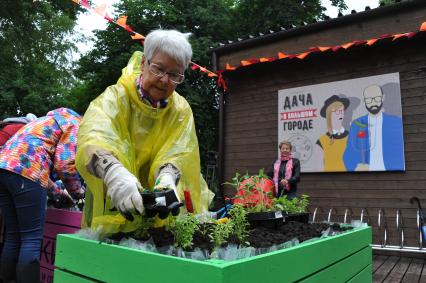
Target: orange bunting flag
<point>76,1</point>
<point>137,36</point>
<point>359,42</point>
<point>101,9</point>
<point>211,74</point>
<point>324,48</point>
<point>122,21</point>
<point>410,34</point>
<point>282,55</point>
<point>423,26</point>
<point>229,67</point>
<point>336,48</point>
<point>245,63</point>
<point>86,4</point>
<point>220,81</point>
<point>396,36</point>
<point>371,41</point>
<point>264,59</point>
<point>303,55</point>
<point>347,45</point>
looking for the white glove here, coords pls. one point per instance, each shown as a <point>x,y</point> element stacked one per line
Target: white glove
<point>166,181</point>
<point>123,189</point>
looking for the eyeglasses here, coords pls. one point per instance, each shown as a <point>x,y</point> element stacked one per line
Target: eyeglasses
<point>156,70</point>
<point>368,100</point>
<point>337,111</point>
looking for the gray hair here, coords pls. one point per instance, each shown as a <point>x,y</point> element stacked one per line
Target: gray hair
<point>171,42</point>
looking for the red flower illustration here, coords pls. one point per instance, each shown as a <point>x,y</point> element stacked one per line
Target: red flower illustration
<point>361,134</point>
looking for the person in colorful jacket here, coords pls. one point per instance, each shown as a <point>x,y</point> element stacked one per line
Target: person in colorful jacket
<point>40,149</point>
<point>139,134</point>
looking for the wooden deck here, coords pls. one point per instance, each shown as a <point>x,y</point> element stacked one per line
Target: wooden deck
<point>399,269</point>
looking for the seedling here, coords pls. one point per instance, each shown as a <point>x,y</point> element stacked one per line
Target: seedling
<point>296,205</point>
<point>239,219</point>
<point>184,229</point>
<point>221,233</point>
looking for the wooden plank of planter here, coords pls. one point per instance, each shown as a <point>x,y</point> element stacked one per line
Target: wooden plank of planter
<point>363,276</point>
<point>65,277</point>
<point>64,217</point>
<point>57,221</point>
<point>46,275</point>
<point>344,270</point>
<point>299,261</point>
<point>111,263</point>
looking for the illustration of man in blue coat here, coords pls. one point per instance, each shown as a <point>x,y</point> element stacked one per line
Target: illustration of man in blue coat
<point>375,141</point>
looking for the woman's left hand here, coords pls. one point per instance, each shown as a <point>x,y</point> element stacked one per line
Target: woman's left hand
<point>284,182</point>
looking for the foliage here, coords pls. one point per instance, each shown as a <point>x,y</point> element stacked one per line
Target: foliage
<point>142,232</point>
<point>296,205</point>
<point>184,229</point>
<point>240,223</point>
<point>387,2</point>
<point>249,184</point>
<point>35,51</point>
<point>259,16</point>
<point>221,232</point>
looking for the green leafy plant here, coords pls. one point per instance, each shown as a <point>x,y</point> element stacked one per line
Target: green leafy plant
<point>250,185</point>
<point>221,233</point>
<point>183,230</point>
<point>142,232</point>
<point>296,205</point>
<point>240,223</point>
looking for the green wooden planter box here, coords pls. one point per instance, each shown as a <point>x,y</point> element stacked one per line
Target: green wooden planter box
<point>343,258</point>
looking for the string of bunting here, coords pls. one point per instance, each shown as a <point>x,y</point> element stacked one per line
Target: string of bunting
<point>101,10</point>
<point>303,55</point>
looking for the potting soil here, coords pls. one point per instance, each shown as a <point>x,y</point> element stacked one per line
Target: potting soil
<point>261,240</point>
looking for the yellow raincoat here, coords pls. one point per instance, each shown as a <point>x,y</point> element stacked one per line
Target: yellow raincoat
<point>142,138</point>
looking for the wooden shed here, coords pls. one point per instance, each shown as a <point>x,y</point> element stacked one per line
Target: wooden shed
<point>388,39</point>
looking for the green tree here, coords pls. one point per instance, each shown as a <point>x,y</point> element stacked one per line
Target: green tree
<point>386,2</point>
<point>35,48</point>
<point>259,16</point>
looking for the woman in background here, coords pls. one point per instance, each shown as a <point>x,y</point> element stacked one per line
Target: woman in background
<point>285,172</point>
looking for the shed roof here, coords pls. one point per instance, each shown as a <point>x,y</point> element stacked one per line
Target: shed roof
<point>299,31</point>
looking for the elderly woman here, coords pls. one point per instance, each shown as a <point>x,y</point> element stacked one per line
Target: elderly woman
<point>140,134</point>
<point>39,150</point>
<point>285,172</point>
<point>333,142</point>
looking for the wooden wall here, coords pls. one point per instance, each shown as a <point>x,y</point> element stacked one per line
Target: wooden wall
<point>250,127</point>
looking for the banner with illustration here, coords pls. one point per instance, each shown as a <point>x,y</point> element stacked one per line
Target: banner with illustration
<point>349,125</point>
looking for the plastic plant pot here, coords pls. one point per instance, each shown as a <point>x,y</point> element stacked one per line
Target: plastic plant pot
<point>161,203</point>
<point>274,219</point>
